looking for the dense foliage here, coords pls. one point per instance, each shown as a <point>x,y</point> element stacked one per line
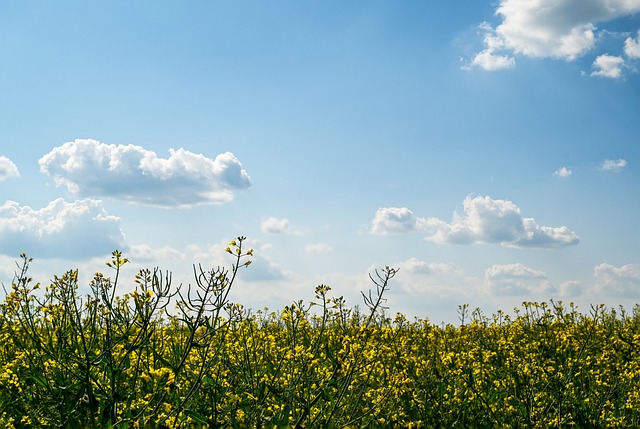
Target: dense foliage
<point>165,357</point>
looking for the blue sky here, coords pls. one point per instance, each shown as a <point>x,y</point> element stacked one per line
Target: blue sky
<point>489,150</point>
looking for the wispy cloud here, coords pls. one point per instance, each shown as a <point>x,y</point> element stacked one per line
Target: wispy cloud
<point>562,29</point>
<point>571,288</point>
<point>515,279</point>
<point>7,169</point>
<point>89,168</point>
<point>613,165</point>
<point>318,248</point>
<point>563,172</point>
<point>484,220</point>
<point>61,230</point>
<point>274,225</point>
<point>145,252</point>
<point>438,278</point>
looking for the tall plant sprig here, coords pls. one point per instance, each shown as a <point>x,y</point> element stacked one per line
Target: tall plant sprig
<point>201,313</point>
<point>374,300</point>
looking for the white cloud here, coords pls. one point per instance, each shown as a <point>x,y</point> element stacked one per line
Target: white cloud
<point>389,220</point>
<point>89,168</point>
<point>515,279</point>
<point>489,58</point>
<point>547,28</point>
<point>484,220</point>
<point>618,281</point>
<point>60,230</point>
<point>563,172</point>
<point>571,288</point>
<point>613,165</point>
<point>274,225</point>
<point>7,169</point>
<point>414,265</point>
<point>632,46</point>
<point>318,248</point>
<point>145,252</point>
<point>608,66</point>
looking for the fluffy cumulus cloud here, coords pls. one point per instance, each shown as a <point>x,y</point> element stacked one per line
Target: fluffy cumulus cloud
<point>89,168</point>
<point>621,281</point>
<point>613,165</point>
<point>63,229</point>
<point>273,225</point>
<point>632,46</point>
<point>484,220</point>
<point>608,66</point>
<point>7,169</point>
<point>515,279</point>
<point>389,220</point>
<point>563,29</point>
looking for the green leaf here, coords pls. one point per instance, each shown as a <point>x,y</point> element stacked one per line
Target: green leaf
<point>198,418</point>
<point>39,380</point>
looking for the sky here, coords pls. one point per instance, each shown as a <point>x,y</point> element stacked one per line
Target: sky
<point>489,151</point>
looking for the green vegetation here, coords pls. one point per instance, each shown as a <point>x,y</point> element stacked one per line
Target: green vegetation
<point>165,357</point>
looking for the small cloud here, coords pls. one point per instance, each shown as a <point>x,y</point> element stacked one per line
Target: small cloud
<point>390,220</point>
<point>618,281</point>
<point>490,61</point>
<point>89,168</point>
<point>613,165</point>
<point>515,279</point>
<point>563,172</point>
<point>484,220</point>
<point>7,169</point>
<point>145,252</point>
<point>608,66</point>
<point>318,248</point>
<point>273,225</point>
<point>632,46</point>
<point>61,230</point>
<point>490,58</point>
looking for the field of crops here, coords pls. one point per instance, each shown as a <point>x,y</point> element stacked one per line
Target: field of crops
<point>158,357</point>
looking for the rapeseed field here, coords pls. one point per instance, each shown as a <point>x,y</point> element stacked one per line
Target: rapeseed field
<point>161,356</point>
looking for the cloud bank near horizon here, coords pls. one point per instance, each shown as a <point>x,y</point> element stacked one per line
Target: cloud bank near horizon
<point>484,220</point>
<point>60,230</point>
<point>89,168</point>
